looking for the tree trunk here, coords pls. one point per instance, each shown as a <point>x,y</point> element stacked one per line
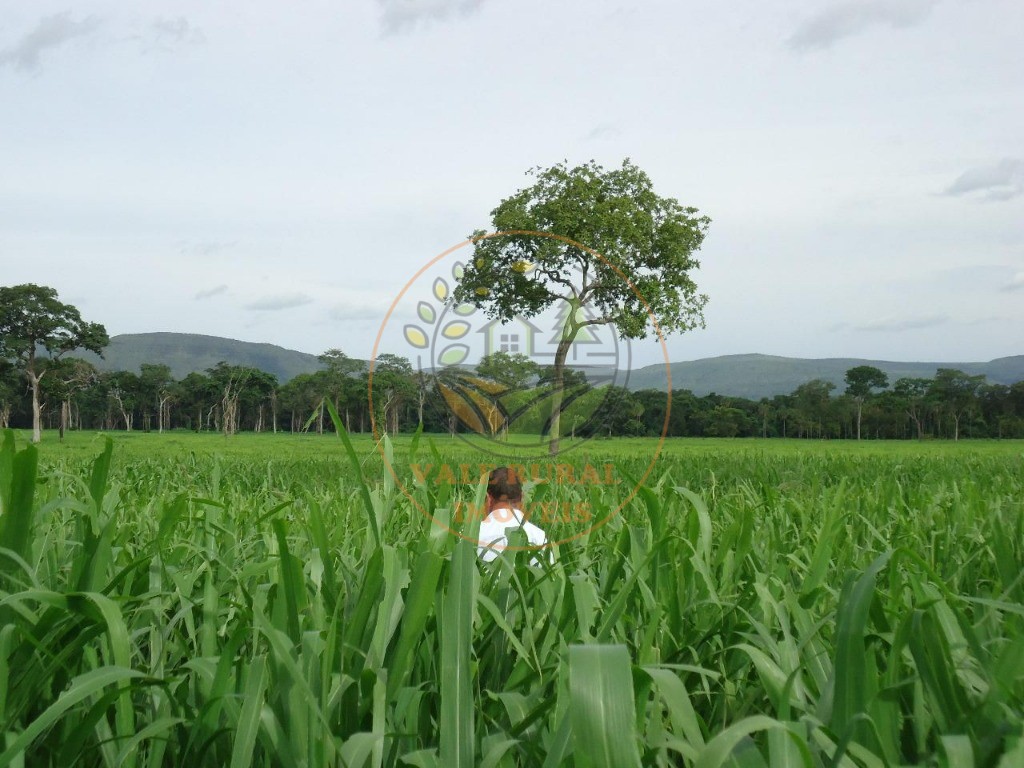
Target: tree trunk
<point>558,393</point>
<point>37,411</point>
<point>860,408</point>
<point>124,414</point>
<point>164,415</point>
<point>65,416</point>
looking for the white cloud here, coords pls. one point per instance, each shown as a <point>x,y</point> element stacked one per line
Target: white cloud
<point>277,303</point>
<point>1016,283</point>
<point>832,24</point>
<point>51,32</point>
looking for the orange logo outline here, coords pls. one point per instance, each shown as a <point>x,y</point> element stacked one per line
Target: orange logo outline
<point>636,292</point>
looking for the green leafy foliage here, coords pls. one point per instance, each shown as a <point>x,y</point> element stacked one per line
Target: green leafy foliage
<point>213,603</point>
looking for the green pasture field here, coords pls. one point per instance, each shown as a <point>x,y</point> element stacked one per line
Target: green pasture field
<point>267,600</point>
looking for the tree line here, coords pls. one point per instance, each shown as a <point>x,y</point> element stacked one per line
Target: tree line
<point>231,398</point>
<point>42,384</point>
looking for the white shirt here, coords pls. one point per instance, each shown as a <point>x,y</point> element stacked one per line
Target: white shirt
<point>492,539</point>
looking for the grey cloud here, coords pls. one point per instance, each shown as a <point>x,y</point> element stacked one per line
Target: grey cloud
<point>405,15</point>
<point>171,32</point>
<point>988,320</point>
<point>51,32</point>
<point>204,247</point>
<point>210,292</point>
<point>896,325</point>
<point>1002,181</point>
<point>276,303</point>
<point>851,18</point>
<point>358,312</point>
<point>604,131</point>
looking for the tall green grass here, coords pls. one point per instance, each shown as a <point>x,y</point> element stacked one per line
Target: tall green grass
<point>751,608</point>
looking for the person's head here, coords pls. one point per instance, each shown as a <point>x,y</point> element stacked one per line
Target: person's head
<point>504,488</point>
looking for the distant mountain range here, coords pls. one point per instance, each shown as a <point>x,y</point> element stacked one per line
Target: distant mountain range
<point>751,376</point>
<point>757,376</point>
<point>188,352</point>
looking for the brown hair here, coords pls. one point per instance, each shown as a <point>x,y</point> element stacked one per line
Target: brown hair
<point>503,485</point>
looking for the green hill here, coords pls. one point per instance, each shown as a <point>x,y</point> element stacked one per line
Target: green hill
<point>751,376</point>
<point>757,376</point>
<point>188,352</point>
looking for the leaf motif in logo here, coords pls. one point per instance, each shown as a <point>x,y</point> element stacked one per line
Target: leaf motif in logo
<point>458,270</point>
<point>456,329</point>
<point>440,289</point>
<point>426,312</point>
<point>463,409</point>
<point>477,411</point>
<point>464,310</point>
<point>453,354</point>
<point>416,337</point>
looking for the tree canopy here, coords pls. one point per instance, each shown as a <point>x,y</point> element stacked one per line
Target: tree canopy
<point>627,231</point>
<point>31,316</point>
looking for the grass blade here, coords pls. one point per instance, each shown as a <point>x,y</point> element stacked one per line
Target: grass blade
<point>601,707</point>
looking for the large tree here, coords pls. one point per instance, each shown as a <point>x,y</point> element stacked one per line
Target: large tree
<point>956,392</point>
<point>33,320</point>
<point>392,386</point>
<point>156,390</point>
<point>341,379</point>
<point>612,247</point>
<point>861,381</point>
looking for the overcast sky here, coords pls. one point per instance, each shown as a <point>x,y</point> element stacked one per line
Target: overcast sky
<point>276,172</point>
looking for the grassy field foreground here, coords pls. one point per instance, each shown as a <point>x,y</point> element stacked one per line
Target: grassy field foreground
<point>279,600</point>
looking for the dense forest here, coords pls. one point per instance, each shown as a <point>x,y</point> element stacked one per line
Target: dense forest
<point>229,398</point>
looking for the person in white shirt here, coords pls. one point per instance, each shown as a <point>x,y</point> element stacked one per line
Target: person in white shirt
<point>504,510</point>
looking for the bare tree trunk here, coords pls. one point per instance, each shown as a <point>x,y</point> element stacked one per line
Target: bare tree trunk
<point>37,411</point>
<point>229,414</point>
<point>65,416</point>
<point>5,416</point>
<point>385,415</point>
<point>165,413</point>
<point>124,414</point>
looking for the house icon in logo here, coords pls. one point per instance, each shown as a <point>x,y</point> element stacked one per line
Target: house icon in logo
<point>516,338</point>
